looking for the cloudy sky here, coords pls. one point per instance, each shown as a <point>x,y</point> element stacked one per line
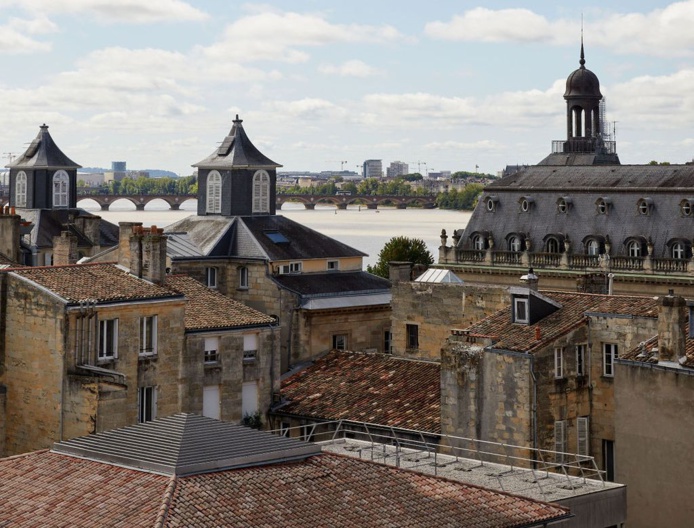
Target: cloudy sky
<point>324,85</point>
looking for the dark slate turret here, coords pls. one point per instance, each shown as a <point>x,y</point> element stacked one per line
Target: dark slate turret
<point>236,179</point>
<point>582,108</point>
<point>43,177</point>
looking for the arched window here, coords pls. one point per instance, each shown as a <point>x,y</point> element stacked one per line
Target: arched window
<point>20,190</point>
<point>514,243</point>
<point>214,193</point>
<point>478,242</point>
<point>686,207</point>
<point>593,247</point>
<point>678,250</point>
<point>61,184</point>
<point>261,192</point>
<point>634,248</point>
<point>553,245</point>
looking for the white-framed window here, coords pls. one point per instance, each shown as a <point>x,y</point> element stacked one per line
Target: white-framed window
<point>491,205</point>
<point>581,369</point>
<point>412,331</point>
<point>558,362</point>
<point>520,310</point>
<point>601,206</point>
<point>514,244</point>
<point>583,436</point>
<point>292,267</point>
<point>609,354</point>
<point>560,440</point>
<point>211,277</point>
<point>553,245</point>
<point>148,335</point>
<point>333,265</point>
<point>61,184</point>
<point>562,206</point>
<point>211,350</point>
<point>634,248</point>
<point>686,208</point>
<point>478,242</point>
<point>250,347</point>
<point>593,247</point>
<point>340,341</point>
<point>261,192</point>
<point>525,205</point>
<point>20,189</point>
<point>147,404</point>
<point>243,278</point>
<point>643,207</point>
<point>214,192</point>
<point>679,250</point>
<point>108,339</point>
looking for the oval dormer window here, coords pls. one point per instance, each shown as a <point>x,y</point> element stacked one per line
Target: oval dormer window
<point>686,207</point>
<point>526,203</point>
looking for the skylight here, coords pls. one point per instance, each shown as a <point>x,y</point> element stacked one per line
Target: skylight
<point>277,237</point>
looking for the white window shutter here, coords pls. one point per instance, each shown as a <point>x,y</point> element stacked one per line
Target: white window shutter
<point>583,438</point>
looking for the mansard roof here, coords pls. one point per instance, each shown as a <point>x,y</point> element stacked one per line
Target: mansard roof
<point>208,309</point>
<point>49,223</point>
<point>102,283</point>
<point>43,153</point>
<point>362,387</point>
<point>574,311</point>
<point>237,152</point>
<point>252,237</point>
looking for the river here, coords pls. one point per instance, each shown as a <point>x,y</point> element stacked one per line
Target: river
<point>364,229</point>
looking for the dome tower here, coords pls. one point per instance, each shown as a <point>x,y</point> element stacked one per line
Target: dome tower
<point>583,98</point>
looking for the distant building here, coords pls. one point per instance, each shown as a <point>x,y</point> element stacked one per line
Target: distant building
<point>373,168</point>
<point>397,168</point>
<point>90,179</point>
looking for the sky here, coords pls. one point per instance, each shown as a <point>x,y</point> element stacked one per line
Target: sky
<point>324,85</point>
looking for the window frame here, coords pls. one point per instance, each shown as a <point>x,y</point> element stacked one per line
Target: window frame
<point>678,251</point>
<point>593,247</point>
<point>412,336</point>
<point>243,278</point>
<point>211,277</point>
<point>560,441</point>
<point>339,342</point>
<point>250,347</point>
<point>146,404</point>
<point>148,338</point>
<point>525,302</point>
<point>583,436</point>
<point>515,244</point>
<point>581,350</point>
<point>108,337</point>
<point>333,265</point>
<point>610,352</point>
<point>61,189</point>
<point>261,192</point>
<point>634,249</point>
<point>20,189</point>
<point>214,192</point>
<point>559,363</point>
<point>211,350</point>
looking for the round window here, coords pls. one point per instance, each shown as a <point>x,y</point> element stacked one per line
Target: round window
<point>562,206</point>
<point>525,205</point>
<point>686,208</point>
<point>602,207</point>
<point>490,204</point>
<point>643,208</point>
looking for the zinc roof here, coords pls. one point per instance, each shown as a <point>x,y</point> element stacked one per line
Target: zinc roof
<point>43,153</point>
<point>208,309</point>
<point>97,282</point>
<point>367,387</point>
<point>573,313</point>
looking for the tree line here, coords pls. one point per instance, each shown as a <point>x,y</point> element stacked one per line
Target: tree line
<point>144,186</point>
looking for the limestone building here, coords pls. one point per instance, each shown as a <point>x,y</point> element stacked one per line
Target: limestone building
<point>43,191</point>
<point>580,216</point>
<point>238,245</point>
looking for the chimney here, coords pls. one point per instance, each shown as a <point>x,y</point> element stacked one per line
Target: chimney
<point>399,271</point>
<point>64,249</point>
<point>125,231</point>
<point>148,254</point>
<point>672,316</point>
<point>530,280</point>
<point>9,234</point>
<point>90,225</point>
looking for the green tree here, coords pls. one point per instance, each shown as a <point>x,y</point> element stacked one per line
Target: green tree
<point>402,249</point>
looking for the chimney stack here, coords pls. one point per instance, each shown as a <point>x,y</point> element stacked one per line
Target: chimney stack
<point>148,253</point>
<point>530,280</point>
<point>64,249</point>
<point>125,231</point>
<point>672,316</point>
<point>9,233</point>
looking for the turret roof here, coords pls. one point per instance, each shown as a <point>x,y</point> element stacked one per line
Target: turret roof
<point>43,153</point>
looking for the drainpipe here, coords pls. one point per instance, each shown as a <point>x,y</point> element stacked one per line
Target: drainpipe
<point>533,377</point>
<point>610,283</point>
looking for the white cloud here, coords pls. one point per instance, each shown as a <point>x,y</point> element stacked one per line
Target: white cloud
<point>484,144</point>
<point>351,68</point>
<point>128,11</point>
<point>277,36</point>
<point>15,35</point>
<point>660,32</point>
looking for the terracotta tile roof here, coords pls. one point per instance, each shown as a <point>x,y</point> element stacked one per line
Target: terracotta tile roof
<point>101,282</point>
<point>207,309</point>
<point>49,489</point>
<point>648,352</point>
<point>523,338</point>
<point>373,388</point>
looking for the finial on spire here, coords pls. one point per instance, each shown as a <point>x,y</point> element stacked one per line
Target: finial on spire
<point>582,62</point>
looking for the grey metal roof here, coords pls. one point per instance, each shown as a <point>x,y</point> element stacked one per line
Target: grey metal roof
<point>43,153</point>
<point>237,151</point>
<point>202,232</point>
<point>334,283</point>
<point>49,223</point>
<point>186,444</point>
<point>346,301</point>
<point>181,245</point>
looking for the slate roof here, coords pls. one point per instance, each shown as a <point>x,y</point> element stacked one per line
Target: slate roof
<point>364,387</point>
<point>622,185</point>
<point>522,338</point>
<point>99,282</point>
<point>43,153</point>
<point>49,223</point>
<point>245,236</point>
<point>237,151</point>
<point>208,309</point>
<point>99,485</point>
<point>344,282</point>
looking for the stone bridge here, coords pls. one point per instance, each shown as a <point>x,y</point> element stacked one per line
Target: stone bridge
<point>341,201</point>
<point>140,201</point>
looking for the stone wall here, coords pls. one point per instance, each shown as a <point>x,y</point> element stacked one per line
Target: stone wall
<point>653,431</point>
<point>437,309</point>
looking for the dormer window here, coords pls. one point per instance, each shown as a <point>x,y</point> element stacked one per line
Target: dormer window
<point>292,267</point>
<point>679,248</point>
<point>526,203</point>
<point>521,312</point>
<point>563,204</point>
<point>594,245</point>
<point>603,205</point>
<point>554,243</point>
<point>515,243</point>
<point>478,242</point>
<point>687,207</point>
<point>636,246</point>
<point>491,203</point>
<point>645,206</point>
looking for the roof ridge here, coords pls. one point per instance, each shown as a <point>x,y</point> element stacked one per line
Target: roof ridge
<point>165,506</point>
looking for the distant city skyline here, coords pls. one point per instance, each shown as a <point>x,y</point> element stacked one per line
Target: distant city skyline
<point>326,87</point>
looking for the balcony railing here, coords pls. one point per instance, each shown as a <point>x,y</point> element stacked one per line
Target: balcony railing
<point>471,255</point>
<point>670,265</point>
<point>506,257</point>
<point>545,260</point>
<point>627,263</point>
<point>584,261</point>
